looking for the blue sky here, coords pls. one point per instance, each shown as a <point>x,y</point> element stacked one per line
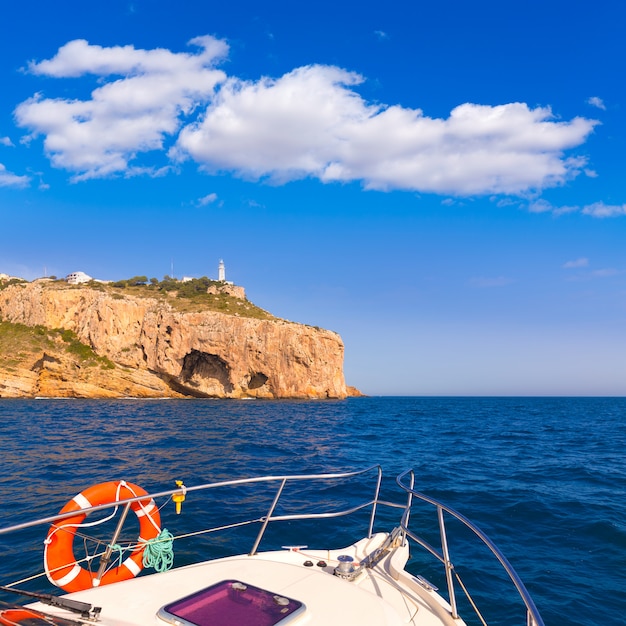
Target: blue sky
<point>440,183</point>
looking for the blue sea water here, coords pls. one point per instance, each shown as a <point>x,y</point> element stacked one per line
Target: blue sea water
<point>545,478</point>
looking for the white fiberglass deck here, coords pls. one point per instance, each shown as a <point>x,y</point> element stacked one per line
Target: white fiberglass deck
<point>381,596</point>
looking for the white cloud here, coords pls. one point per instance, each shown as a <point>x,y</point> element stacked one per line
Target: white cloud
<point>599,209</point>
<point>606,272</point>
<point>581,262</point>
<point>6,141</point>
<point>8,179</point>
<point>152,172</point>
<point>140,105</point>
<point>594,101</point>
<point>287,128</point>
<point>79,57</point>
<point>310,122</point>
<point>540,206</point>
<point>208,199</point>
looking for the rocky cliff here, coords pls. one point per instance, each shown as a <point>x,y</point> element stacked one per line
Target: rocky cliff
<point>149,347</point>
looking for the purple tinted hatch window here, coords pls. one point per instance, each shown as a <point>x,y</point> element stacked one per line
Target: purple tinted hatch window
<point>232,603</point>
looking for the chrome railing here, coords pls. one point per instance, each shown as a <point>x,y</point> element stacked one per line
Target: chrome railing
<point>282,480</point>
<point>533,617</point>
<point>532,614</point>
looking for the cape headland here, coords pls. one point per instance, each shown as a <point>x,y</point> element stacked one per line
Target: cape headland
<point>198,338</point>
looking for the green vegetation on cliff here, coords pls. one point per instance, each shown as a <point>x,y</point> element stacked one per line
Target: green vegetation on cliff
<point>13,281</point>
<point>187,297</point>
<point>18,343</point>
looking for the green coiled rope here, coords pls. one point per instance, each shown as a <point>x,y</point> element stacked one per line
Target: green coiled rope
<point>159,552</point>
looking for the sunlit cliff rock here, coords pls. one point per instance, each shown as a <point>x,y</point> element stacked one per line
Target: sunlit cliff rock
<point>149,347</point>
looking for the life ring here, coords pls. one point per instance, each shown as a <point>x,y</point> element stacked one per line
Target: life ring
<point>60,563</point>
<point>14,617</point>
<point>17,616</point>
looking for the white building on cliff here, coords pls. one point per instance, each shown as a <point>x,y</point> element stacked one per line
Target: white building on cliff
<point>76,278</point>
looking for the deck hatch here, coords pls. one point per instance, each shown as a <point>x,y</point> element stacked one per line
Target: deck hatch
<point>230,603</point>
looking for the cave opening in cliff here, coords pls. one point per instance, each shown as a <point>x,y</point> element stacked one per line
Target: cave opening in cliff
<point>207,372</point>
<point>257,380</point>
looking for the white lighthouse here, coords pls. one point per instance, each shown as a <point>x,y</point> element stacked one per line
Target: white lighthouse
<point>221,272</point>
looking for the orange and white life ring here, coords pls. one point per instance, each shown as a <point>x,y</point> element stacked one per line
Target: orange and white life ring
<point>60,563</point>
<point>20,615</point>
<point>16,616</point>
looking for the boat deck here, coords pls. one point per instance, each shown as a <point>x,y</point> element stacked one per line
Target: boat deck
<point>376,596</point>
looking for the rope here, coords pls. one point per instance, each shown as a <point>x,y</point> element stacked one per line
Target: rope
<point>89,558</point>
<point>159,552</point>
<point>120,553</point>
<point>480,617</point>
<point>65,527</point>
<point>145,510</point>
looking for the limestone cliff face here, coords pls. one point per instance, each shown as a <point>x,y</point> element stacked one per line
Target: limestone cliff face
<point>164,352</point>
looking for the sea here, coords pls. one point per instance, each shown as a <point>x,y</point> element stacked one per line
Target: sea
<point>544,478</point>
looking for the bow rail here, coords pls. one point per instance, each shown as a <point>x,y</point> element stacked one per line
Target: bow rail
<point>533,618</point>
<point>405,482</point>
